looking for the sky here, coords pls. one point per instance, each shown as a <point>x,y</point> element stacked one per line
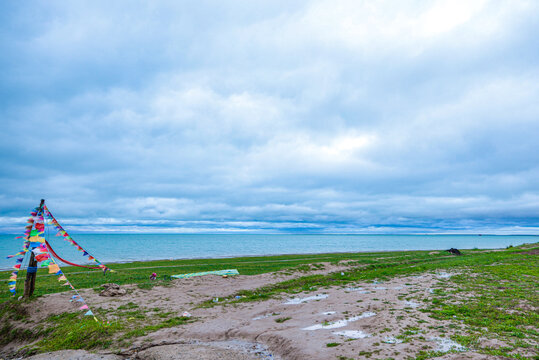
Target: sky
<point>271,116</point>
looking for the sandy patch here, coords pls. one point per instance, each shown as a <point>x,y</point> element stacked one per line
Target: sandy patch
<point>372,321</point>
<point>74,355</point>
<point>312,319</point>
<point>217,350</point>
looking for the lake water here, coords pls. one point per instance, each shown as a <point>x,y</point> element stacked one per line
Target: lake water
<point>129,247</point>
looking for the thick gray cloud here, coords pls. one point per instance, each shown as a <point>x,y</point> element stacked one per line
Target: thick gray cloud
<point>316,116</point>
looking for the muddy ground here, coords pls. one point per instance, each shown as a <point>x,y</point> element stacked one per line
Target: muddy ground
<point>360,320</point>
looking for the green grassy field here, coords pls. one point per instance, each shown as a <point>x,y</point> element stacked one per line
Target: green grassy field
<point>139,272</point>
<point>495,296</point>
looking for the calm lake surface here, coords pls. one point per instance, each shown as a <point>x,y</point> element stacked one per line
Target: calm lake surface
<point>129,247</point>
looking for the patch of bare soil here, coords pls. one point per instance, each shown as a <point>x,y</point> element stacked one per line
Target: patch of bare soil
<point>382,319</point>
<point>531,252</point>
<point>216,350</point>
<point>73,355</point>
<point>371,317</point>
<point>181,295</point>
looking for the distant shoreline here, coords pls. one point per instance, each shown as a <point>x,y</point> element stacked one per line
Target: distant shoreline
<point>124,248</point>
<point>318,256</point>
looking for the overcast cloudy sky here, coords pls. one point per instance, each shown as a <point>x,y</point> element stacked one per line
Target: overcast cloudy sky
<point>271,116</point>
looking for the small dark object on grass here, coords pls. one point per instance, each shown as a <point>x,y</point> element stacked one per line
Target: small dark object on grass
<point>282,320</point>
<point>454,251</point>
<point>112,290</point>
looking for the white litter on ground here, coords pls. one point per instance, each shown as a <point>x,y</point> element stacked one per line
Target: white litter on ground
<point>445,345</point>
<point>380,288</point>
<point>431,291</point>
<point>296,301</point>
<point>392,340</point>
<point>331,325</point>
<point>398,288</point>
<point>329,313</point>
<point>444,275</point>
<point>353,289</point>
<point>366,314</point>
<point>354,334</point>
<point>411,304</point>
<point>339,323</point>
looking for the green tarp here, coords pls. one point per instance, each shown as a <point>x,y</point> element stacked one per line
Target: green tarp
<point>215,272</point>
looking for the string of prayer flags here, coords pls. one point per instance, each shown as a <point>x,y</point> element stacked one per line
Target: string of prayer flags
<point>46,263</point>
<point>12,283</point>
<point>17,254</point>
<point>35,242</point>
<point>68,238</point>
<point>53,268</point>
<point>77,297</point>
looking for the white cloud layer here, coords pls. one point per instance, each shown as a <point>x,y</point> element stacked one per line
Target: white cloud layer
<point>319,116</point>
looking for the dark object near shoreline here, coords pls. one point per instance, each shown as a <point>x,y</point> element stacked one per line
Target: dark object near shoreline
<point>454,251</point>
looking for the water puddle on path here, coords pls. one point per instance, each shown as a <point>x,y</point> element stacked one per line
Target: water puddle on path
<point>296,301</point>
<point>339,323</point>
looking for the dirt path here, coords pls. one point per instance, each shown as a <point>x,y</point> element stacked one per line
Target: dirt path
<point>381,320</point>
<point>369,318</point>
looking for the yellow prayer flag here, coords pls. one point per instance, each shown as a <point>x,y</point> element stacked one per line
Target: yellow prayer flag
<point>37,239</point>
<point>62,278</point>
<point>53,268</point>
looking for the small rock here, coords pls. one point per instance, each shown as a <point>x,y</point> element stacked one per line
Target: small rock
<point>112,289</point>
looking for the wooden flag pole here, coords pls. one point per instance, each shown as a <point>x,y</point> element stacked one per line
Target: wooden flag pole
<point>30,282</point>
